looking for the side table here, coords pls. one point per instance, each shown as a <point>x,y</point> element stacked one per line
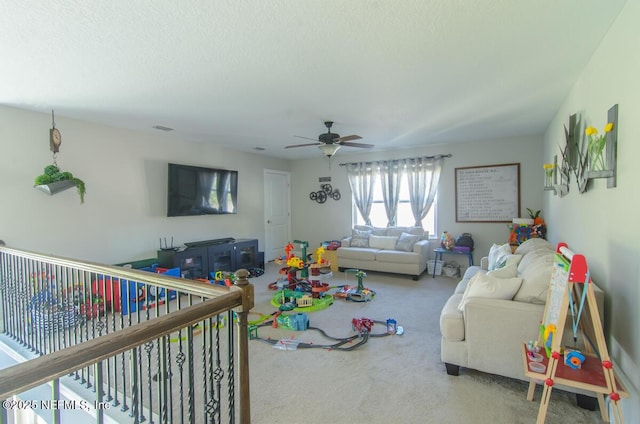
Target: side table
<point>440,251</point>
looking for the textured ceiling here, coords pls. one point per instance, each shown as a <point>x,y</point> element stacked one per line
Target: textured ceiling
<point>242,73</point>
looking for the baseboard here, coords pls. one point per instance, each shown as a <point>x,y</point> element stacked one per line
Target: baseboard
<point>629,374</point>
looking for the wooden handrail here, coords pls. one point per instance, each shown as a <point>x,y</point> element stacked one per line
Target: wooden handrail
<point>173,283</point>
<point>18,378</point>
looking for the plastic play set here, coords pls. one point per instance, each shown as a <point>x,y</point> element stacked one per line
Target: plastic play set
<point>299,293</point>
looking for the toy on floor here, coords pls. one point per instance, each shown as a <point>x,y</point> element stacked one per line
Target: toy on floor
<point>300,301</point>
<point>356,294</point>
<point>302,265</point>
<point>363,326</point>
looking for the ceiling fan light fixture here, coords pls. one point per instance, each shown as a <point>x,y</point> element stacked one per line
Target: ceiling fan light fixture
<point>329,149</point>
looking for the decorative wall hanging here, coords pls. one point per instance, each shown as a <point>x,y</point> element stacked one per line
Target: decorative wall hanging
<point>53,180</point>
<point>570,155</point>
<point>325,191</point>
<point>605,144</point>
<point>488,193</point>
<point>588,154</point>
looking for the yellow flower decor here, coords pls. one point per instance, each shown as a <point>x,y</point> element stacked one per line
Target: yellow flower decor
<point>548,173</point>
<point>596,146</point>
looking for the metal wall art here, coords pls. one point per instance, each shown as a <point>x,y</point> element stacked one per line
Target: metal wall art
<point>325,191</point>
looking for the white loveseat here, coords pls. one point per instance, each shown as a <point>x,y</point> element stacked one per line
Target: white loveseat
<point>486,331</point>
<point>400,250</point>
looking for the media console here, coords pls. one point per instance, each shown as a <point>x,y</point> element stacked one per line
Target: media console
<point>203,259</point>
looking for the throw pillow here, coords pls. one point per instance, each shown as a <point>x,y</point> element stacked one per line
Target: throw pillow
<point>533,256</point>
<point>486,286</point>
<point>507,271</point>
<point>397,231</point>
<point>406,241</point>
<point>382,242</point>
<point>498,255</point>
<point>506,260</point>
<point>532,244</point>
<point>360,238</point>
<point>536,279</point>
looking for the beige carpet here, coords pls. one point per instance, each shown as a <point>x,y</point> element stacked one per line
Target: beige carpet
<point>390,379</point>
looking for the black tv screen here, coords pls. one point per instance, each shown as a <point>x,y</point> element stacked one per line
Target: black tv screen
<point>195,190</point>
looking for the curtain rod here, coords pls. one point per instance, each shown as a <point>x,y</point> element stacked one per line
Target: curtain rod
<point>392,160</point>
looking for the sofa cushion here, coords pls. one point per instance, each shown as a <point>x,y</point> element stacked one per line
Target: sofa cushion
<point>357,253</point>
<point>486,286</point>
<point>498,255</point>
<point>397,256</point>
<point>532,256</point>
<point>451,319</point>
<point>535,280</point>
<point>382,242</point>
<point>360,238</point>
<point>397,231</point>
<point>508,271</point>
<point>532,244</point>
<point>406,241</point>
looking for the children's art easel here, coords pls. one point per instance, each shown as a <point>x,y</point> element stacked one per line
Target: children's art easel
<point>571,293</point>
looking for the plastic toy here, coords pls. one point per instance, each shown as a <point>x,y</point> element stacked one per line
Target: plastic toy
<point>287,300</point>
<point>363,326</point>
<point>358,294</point>
<point>574,359</point>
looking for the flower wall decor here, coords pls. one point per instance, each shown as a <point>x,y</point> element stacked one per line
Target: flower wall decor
<point>596,145</point>
<point>548,174</point>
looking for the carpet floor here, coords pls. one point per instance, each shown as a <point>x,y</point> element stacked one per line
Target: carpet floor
<point>397,378</point>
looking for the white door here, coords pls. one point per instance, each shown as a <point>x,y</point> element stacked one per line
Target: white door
<point>276,213</point>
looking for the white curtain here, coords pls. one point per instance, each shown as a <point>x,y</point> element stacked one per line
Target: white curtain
<point>423,175</point>
<point>361,178</point>
<point>391,175</point>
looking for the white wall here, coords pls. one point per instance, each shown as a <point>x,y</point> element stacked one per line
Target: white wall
<point>603,223</point>
<point>316,222</point>
<point>124,213</point>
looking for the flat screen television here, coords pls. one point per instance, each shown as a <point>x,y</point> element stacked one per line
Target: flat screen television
<point>196,190</point>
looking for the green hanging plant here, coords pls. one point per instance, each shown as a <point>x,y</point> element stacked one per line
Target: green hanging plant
<point>53,174</point>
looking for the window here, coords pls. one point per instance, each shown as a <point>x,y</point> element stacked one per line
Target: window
<point>405,218</point>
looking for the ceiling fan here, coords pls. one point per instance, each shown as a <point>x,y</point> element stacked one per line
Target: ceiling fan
<point>330,142</point>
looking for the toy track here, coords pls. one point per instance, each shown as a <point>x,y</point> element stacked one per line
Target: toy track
<point>363,336</point>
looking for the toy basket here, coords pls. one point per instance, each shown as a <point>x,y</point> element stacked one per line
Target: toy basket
<point>433,264</point>
<point>49,314</point>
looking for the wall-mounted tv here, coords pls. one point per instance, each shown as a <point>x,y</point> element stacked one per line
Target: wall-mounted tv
<point>196,190</point>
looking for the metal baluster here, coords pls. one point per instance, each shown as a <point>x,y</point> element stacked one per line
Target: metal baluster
<point>190,379</point>
<point>55,395</point>
<point>124,303</point>
<point>218,373</point>
<point>180,360</point>
<point>99,392</point>
<point>163,376</point>
<point>148,347</point>
<point>135,402</point>
<point>230,369</point>
<point>205,402</point>
<point>169,365</point>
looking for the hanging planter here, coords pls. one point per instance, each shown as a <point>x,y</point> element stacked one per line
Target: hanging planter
<point>54,181</point>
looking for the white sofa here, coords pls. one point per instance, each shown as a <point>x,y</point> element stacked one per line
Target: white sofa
<point>400,250</point>
<point>486,333</point>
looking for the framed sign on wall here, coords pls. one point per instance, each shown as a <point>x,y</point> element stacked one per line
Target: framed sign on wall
<point>488,193</point>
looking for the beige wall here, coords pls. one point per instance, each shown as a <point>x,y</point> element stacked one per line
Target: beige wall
<point>602,223</point>
<point>124,214</point>
<point>332,220</point>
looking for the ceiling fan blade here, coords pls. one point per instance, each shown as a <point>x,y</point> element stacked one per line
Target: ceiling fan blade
<point>302,145</point>
<point>361,145</point>
<point>306,138</point>
<point>347,138</point>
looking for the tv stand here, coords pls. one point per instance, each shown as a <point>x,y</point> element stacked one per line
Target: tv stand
<point>202,259</point>
<point>212,242</point>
